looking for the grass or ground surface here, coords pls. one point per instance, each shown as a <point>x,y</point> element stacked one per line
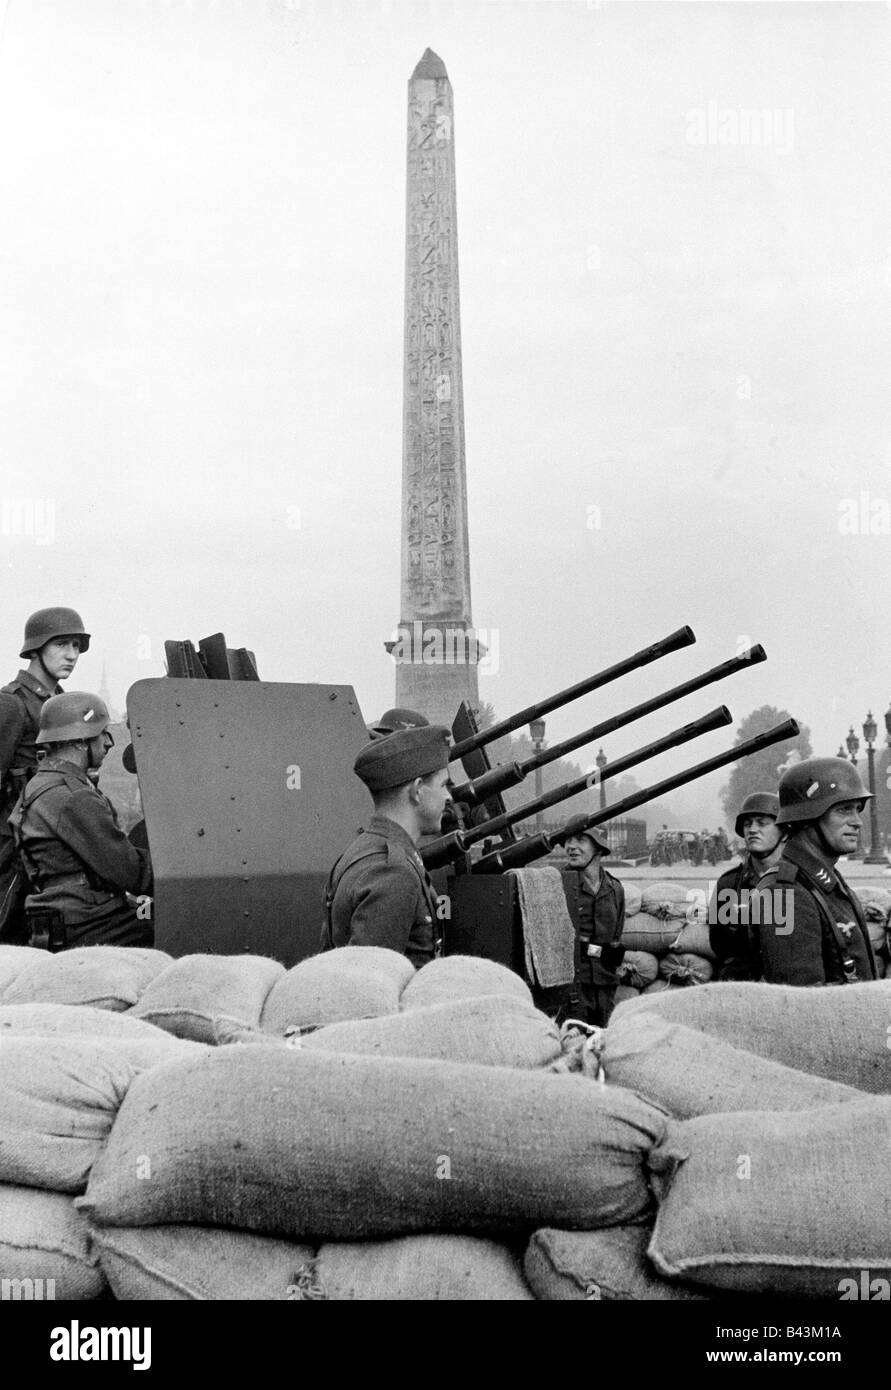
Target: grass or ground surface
<point>854,870</point>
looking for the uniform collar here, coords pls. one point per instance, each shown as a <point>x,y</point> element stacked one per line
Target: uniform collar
<point>25,678</point>
<point>815,864</point>
<point>391,830</point>
<point>63,765</point>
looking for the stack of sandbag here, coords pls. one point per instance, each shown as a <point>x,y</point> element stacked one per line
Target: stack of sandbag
<point>64,1072</point>
<point>666,940</point>
<point>877,910</point>
<point>422,1176</point>
<point>772,1180</point>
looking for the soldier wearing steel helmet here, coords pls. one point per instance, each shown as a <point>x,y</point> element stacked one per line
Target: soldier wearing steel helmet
<point>810,924</point>
<point>79,863</point>
<point>54,639</point>
<point>728,929</point>
<point>601,919</point>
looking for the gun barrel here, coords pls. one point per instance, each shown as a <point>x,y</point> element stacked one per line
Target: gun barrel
<point>534,846</point>
<point>715,719</point>
<point>751,657</point>
<point>684,637</point>
<point>442,851</point>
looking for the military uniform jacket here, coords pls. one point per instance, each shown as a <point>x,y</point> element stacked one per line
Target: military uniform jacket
<point>77,857</point>
<point>601,921</point>
<point>728,936</point>
<point>20,704</point>
<point>379,894</point>
<point>798,945</point>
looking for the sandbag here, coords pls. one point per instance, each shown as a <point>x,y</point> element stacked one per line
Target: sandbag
<point>351,982</point>
<point>624,992</point>
<point>451,978</point>
<point>44,1248</point>
<point>496,1030</point>
<point>654,935</point>
<point>14,960</point>
<point>836,1031</point>
<point>593,1265</point>
<point>105,977</point>
<point>671,1066</point>
<point>196,1263</point>
<point>693,937</point>
<point>876,903</point>
<point>315,1145</point>
<point>75,1020</point>
<point>632,898</point>
<point>58,1100</point>
<point>683,968</point>
<point>421,1268</point>
<point>665,900</point>
<point>638,969</point>
<point>202,997</point>
<point>660,986</point>
<point>782,1203</point>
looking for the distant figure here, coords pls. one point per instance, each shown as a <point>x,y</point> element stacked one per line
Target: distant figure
<point>811,925</point>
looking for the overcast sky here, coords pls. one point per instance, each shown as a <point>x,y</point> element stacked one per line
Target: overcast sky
<point>675,340</point>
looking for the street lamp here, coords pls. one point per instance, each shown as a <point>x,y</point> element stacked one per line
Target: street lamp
<point>853,743</point>
<point>870,730</point>
<point>537,730</point>
<point>601,761</point>
<point>841,751</point>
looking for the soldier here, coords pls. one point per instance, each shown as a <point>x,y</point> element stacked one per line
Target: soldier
<point>379,893</point>
<point>79,862</point>
<point>54,639</point>
<point>601,919</point>
<point>728,916</point>
<point>811,926</point>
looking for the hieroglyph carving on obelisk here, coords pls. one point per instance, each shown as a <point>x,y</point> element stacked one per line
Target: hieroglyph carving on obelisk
<point>436,652</point>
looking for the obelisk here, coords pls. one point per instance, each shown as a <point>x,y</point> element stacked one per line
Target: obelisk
<point>436,652</point>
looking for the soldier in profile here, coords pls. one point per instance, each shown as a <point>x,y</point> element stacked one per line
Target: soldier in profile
<point>79,862</point>
<point>379,893</point>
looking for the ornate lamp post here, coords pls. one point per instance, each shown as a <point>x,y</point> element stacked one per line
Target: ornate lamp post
<point>601,761</point>
<point>537,730</point>
<point>870,730</point>
<point>841,751</point>
<point>853,743</point>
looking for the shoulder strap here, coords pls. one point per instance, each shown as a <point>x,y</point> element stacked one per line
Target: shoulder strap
<point>786,872</point>
<point>334,882</point>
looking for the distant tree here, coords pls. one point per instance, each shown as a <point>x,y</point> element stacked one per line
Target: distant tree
<point>484,714</point>
<point>758,773</point>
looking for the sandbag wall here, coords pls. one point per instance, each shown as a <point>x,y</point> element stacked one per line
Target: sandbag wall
<point>220,1128</point>
<point>666,936</point>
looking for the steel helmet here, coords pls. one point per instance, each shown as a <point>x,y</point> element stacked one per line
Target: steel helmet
<point>48,624</point>
<point>757,804</point>
<point>810,788</point>
<point>392,720</point>
<point>597,836</point>
<point>75,715</point>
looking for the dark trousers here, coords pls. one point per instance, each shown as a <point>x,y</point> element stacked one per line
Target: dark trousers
<point>598,1001</point>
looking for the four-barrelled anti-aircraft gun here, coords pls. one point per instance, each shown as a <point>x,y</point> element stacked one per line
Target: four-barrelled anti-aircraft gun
<point>249,797</point>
